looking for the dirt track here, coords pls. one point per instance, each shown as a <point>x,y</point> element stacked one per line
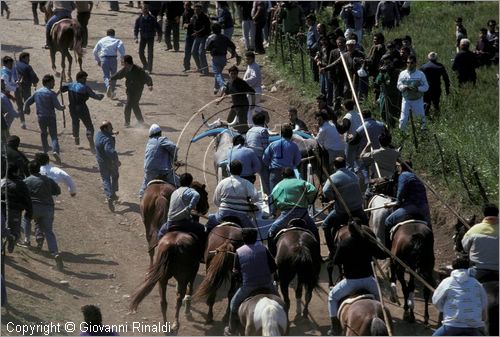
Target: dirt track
<point>105,253</point>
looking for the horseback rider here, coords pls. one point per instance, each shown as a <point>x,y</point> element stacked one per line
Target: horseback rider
<point>292,196</point>
<point>159,156</point>
<point>353,256</point>
<point>255,265</point>
<point>233,196</point>
<point>481,243</point>
<point>61,10</point>
<point>257,138</point>
<point>411,198</point>
<point>182,201</point>
<point>248,158</point>
<point>462,300</point>
<point>347,184</point>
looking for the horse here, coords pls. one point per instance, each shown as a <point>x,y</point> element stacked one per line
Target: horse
<point>377,217</point>
<point>65,35</point>
<point>177,256</point>
<point>222,243</point>
<point>154,208</point>
<point>490,285</point>
<point>298,254</point>
<point>263,315</point>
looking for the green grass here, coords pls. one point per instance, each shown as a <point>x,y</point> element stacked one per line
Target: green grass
<point>468,124</point>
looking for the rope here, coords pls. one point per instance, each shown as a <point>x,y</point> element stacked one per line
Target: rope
<point>386,319</point>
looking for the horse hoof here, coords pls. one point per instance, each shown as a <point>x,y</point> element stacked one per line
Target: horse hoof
<point>175,326</point>
<point>209,320</point>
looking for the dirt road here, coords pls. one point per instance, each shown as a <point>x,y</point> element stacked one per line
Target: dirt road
<point>105,253</point>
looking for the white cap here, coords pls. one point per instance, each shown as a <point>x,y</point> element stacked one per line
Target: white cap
<point>432,56</point>
<point>154,129</point>
<point>350,42</point>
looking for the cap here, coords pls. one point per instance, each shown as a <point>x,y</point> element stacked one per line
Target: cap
<point>350,42</point>
<point>154,129</point>
<point>432,56</point>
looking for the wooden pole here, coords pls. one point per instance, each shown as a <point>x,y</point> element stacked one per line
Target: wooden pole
<point>302,63</point>
<point>462,178</point>
<point>386,318</point>
<point>479,185</point>
<point>441,155</point>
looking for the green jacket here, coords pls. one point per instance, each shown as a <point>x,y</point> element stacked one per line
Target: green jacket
<point>293,192</point>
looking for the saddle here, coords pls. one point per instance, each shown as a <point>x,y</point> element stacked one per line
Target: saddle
<point>284,230</point>
<point>351,299</point>
<point>230,224</point>
<point>157,181</point>
<point>259,291</point>
<point>395,228</point>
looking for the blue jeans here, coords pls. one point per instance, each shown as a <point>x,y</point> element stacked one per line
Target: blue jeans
<point>172,178</point>
<point>59,15</point>
<point>215,219</point>
<point>407,212</point>
<point>109,176</point>
<point>43,215</point>
<point>275,176</point>
<point>198,52</point>
<point>218,64</point>
<point>446,330</point>
<point>326,88</point>
<point>48,125</point>
<point>264,178</point>
<point>346,287</point>
<point>289,214</point>
<point>188,46</point>
<point>248,28</point>
<point>351,154</point>
<point>109,66</point>
<point>244,292</point>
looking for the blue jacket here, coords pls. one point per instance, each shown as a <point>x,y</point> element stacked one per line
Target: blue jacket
<point>249,160</point>
<point>27,74</point>
<point>257,138</point>
<point>312,39</point>
<point>411,191</point>
<point>78,94</point>
<point>106,154</point>
<point>160,154</point>
<point>146,25</point>
<point>46,102</point>
<point>282,153</point>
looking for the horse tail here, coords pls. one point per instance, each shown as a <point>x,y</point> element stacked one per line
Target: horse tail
<point>378,327</point>
<point>218,272</point>
<point>307,273</point>
<point>155,273</point>
<point>422,253</point>
<point>77,39</point>
<point>273,317</point>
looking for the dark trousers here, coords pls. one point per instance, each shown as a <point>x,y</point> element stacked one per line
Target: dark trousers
<point>22,94</point>
<point>133,99</point>
<point>431,98</point>
<point>83,20</point>
<point>48,126</point>
<point>259,38</point>
<point>172,28</point>
<point>4,7</point>
<point>109,176</point>
<point>314,69</point>
<point>148,65</point>
<point>187,52</point>
<point>34,6</point>
<point>81,113</point>
<point>114,6</point>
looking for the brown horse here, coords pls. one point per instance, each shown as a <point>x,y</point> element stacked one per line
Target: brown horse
<point>363,317</point>
<point>222,243</point>
<point>154,208</point>
<point>413,243</point>
<point>177,256</point>
<point>298,254</point>
<point>65,35</point>
<point>263,315</point>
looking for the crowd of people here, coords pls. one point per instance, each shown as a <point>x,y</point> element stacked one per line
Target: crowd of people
<point>357,147</point>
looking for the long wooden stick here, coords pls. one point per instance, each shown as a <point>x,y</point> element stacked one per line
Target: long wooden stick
<point>386,318</point>
<point>441,155</point>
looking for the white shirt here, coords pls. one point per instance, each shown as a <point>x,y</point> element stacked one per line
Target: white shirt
<point>59,176</point>
<point>355,120</point>
<point>253,77</point>
<point>232,193</point>
<point>415,78</point>
<point>329,137</point>
<point>109,46</point>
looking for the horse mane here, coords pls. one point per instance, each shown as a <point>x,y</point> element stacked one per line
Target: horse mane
<point>218,272</point>
<point>273,317</point>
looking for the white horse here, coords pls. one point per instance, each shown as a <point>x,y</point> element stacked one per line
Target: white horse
<point>264,315</point>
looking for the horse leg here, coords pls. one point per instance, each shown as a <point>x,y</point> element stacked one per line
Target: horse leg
<point>163,298</point>
<point>329,270</point>
<point>427,295</point>
<point>181,292</point>
<point>284,291</point>
<point>53,59</point>
<point>411,297</point>
<point>404,287</point>
<point>394,291</point>
<point>70,62</point>
<point>187,298</point>
<point>230,294</point>
<point>308,298</point>
<point>210,303</point>
<point>298,300</point>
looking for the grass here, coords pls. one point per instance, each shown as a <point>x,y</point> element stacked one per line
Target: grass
<point>468,123</point>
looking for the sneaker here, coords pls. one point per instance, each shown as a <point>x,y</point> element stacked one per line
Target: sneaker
<point>77,140</point>
<point>59,262</point>
<point>113,94</point>
<point>24,244</point>
<point>11,243</point>
<point>23,125</point>
<point>216,91</point>
<point>108,92</point>
<point>57,157</point>
<point>127,125</point>
<point>111,206</point>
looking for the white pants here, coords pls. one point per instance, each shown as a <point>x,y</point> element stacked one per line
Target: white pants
<point>417,108</point>
<point>256,108</point>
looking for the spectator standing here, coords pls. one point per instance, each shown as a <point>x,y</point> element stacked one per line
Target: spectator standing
<point>135,79</point>
<point>238,89</point>
<point>146,25</point>
<point>218,45</point>
<point>201,31</point>
<point>5,8</point>
<point>387,15</point>
<point>187,24</point>
<point>463,302</point>
<point>465,64</point>
<point>105,53</point>
<point>389,98</point>
<point>83,9</point>
<point>312,43</point>
<point>413,84</point>
<point>46,103</point>
<point>79,92</point>
<point>259,18</point>
<point>335,70</point>
<point>460,32</point>
<point>159,157</point>
<point>369,11</point>
<point>321,60</point>
<point>224,18</point>
<point>291,17</point>
<point>108,163</point>
<point>484,49</point>
<point>254,79</point>
<point>492,36</point>
<point>41,190</point>
<point>173,18</point>
<point>434,72</point>
<point>16,156</point>
<point>296,123</point>
<point>352,15</point>
<point>247,24</point>
<point>27,79</point>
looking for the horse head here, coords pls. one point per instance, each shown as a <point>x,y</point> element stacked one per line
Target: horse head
<point>202,207</point>
<point>459,233</point>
